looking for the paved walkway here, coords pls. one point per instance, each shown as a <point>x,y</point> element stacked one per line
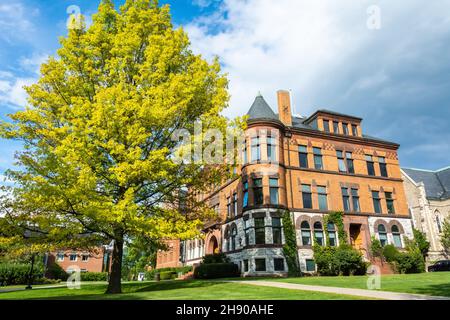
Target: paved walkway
<point>374,294</point>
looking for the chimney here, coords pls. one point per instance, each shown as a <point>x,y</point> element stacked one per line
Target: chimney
<point>284,107</point>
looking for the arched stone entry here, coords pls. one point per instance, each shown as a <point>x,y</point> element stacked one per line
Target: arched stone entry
<point>213,246</point>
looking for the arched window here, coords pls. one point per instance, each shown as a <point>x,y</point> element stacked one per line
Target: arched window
<point>332,234</point>
<point>306,233</point>
<point>318,233</point>
<point>233,237</point>
<point>382,235</point>
<point>438,221</point>
<point>227,239</point>
<point>397,237</point>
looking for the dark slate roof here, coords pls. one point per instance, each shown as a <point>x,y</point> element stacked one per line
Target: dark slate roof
<point>261,110</point>
<point>334,113</point>
<point>437,183</point>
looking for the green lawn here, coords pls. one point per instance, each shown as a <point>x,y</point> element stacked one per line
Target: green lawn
<point>175,290</point>
<point>433,283</point>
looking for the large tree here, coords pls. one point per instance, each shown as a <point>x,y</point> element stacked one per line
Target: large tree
<point>97,160</point>
<point>445,236</point>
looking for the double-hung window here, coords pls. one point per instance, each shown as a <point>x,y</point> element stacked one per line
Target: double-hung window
<point>273,185</point>
<point>245,195</point>
<point>318,164</point>
<point>346,199</point>
<point>355,200</point>
<point>376,201</point>
<point>256,149</point>
<point>307,196</point>
<point>370,165</point>
<point>389,202</point>
<point>341,161</point>
<point>383,167</point>
<point>258,192</point>
<point>349,160</point>
<point>229,207</point>
<point>323,200</point>
<point>331,228</point>
<point>271,149</point>
<point>276,230</point>
<point>303,156</point>
<point>260,231</point>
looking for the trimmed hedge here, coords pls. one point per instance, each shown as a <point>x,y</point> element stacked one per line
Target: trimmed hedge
<point>54,271</point>
<point>216,270</point>
<point>150,275</point>
<point>94,276</point>
<point>215,258</point>
<point>168,275</point>
<point>17,273</point>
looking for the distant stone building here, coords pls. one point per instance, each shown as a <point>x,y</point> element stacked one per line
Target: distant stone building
<point>428,194</point>
<point>310,166</point>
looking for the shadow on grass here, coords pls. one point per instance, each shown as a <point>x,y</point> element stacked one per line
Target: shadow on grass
<point>174,285</point>
<point>130,291</point>
<point>442,289</point>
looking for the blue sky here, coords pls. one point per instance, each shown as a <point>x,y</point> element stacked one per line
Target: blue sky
<point>397,77</point>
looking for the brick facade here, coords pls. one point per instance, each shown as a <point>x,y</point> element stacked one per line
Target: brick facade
<point>284,173</point>
<point>86,261</point>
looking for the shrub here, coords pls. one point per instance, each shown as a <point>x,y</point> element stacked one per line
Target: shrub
<point>390,253</point>
<point>168,275</point>
<point>343,260</point>
<point>94,276</point>
<point>215,258</point>
<point>216,270</point>
<point>376,249</point>
<point>54,271</point>
<point>150,275</point>
<point>17,273</point>
<point>409,262</point>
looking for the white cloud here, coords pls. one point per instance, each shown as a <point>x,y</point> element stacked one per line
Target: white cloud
<point>12,93</point>
<point>322,50</point>
<point>15,21</point>
<point>33,63</point>
<point>203,3</point>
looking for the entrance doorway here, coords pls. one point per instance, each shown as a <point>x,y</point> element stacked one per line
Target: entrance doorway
<point>356,236</point>
<point>213,246</point>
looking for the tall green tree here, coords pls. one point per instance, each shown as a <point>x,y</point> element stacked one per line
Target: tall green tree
<point>97,160</point>
<point>445,236</point>
<point>421,242</point>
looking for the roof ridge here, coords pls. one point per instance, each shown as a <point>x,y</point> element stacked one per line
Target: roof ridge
<point>417,169</point>
<point>427,170</point>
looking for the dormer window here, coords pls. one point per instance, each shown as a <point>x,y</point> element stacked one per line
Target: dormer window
<point>336,127</point>
<point>355,130</point>
<point>345,128</point>
<point>326,125</point>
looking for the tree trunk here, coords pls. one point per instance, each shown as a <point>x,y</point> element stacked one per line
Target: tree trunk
<point>115,276</point>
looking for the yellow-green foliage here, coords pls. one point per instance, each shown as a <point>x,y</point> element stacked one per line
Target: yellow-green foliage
<point>97,131</point>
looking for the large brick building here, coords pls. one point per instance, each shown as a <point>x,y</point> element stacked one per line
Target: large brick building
<point>98,260</point>
<point>310,166</point>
